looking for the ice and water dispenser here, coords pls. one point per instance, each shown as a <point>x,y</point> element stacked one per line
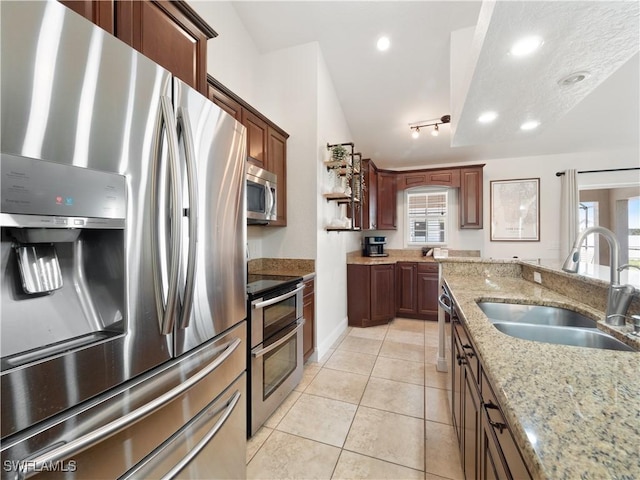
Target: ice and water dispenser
<point>63,257</point>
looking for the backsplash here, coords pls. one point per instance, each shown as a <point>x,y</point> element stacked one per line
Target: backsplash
<point>589,291</point>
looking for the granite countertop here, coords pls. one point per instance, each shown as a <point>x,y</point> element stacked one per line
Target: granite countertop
<point>408,255</point>
<point>574,411</point>
<point>283,266</point>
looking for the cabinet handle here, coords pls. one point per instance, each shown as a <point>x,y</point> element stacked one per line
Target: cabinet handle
<point>472,353</point>
<point>499,425</point>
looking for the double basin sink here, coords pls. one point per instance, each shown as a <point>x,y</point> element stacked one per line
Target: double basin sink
<point>549,325</point>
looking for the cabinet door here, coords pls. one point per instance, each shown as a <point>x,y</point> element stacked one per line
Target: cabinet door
<point>444,177</point>
<point>471,428</point>
<point>170,34</point>
<point>471,197</point>
<point>100,12</point>
<point>427,285</point>
<point>370,206</point>
<point>406,288</point>
<point>308,312</point>
<point>359,295</point>
<point>277,163</point>
<point>387,190</point>
<point>457,386</point>
<point>225,102</point>
<point>256,139</point>
<point>382,294</point>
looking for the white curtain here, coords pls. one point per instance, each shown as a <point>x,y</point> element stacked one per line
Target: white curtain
<point>569,204</point>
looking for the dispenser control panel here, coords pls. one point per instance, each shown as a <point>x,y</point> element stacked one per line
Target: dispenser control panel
<point>38,187</point>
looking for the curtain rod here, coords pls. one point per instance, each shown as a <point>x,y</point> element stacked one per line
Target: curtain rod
<point>559,174</point>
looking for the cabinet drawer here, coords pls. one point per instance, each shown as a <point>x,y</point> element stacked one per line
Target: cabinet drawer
<point>468,350</point>
<point>508,450</point>
<point>427,268</point>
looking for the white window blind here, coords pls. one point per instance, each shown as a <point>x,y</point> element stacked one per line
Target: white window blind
<point>427,217</point>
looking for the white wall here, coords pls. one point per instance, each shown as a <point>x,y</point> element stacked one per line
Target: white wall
<point>291,87</point>
<point>543,167</point>
<point>331,265</point>
<point>232,57</point>
<point>288,90</point>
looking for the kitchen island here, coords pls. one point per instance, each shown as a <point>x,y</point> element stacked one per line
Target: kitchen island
<point>574,412</point>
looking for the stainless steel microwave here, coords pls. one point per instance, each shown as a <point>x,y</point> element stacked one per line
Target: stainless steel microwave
<point>261,195</point>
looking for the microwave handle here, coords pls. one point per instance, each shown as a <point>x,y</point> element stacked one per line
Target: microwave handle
<point>270,199</point>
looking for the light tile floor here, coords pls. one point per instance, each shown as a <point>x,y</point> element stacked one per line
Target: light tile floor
<point>374,407</point>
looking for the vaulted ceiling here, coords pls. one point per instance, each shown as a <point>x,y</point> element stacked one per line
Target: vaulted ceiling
<point>381,93</point>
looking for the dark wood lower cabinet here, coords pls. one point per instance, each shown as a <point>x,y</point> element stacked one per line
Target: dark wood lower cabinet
<point>308,312</point>
<point>487,447</point>
<point>406,289</point>
<point>370,298</point>
<point>417,290</point>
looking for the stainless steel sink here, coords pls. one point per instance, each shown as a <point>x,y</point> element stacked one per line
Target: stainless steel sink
<point>579,337</point>
<point>535,314</point>
<point>557,325</point>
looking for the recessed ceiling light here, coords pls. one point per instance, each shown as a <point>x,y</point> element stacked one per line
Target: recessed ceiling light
<point>383,43</point>
<point>573,78</point>
<point>525,46</point>
<point>487,117</point>
<point>530,125</point>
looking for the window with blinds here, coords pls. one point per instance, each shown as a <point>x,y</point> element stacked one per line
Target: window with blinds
<point>427,217</point>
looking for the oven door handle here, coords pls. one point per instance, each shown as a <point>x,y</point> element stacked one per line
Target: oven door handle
<point>271,301</point>
<point>263,351</point>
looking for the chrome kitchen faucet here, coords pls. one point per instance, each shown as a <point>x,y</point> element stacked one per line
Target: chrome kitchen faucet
<point>619,296</point>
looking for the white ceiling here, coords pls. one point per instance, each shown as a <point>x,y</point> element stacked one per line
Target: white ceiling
<point>382,93</point>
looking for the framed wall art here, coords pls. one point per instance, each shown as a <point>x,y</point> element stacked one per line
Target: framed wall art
<point>515,210</point>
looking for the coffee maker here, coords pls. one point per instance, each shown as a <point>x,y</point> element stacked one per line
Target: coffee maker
<point>374,247</point>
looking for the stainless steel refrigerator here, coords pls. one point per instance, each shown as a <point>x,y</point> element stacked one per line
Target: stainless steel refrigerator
<point>123,297</point>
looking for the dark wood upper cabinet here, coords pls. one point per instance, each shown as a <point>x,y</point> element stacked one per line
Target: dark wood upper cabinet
<point>444,177</point>
<point>256,138</point>
<point>471,197</point>
<point>277,163</point>
<point>169,33</point>
<point>370,197</point>
<point>387,191</point>
<point>224,101</point>
<point>100,12</point>
<point>266,142</point>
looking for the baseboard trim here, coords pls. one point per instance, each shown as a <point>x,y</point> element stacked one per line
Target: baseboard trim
<point>325,346</point>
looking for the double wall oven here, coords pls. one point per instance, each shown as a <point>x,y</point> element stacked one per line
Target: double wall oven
<point>275,354</point>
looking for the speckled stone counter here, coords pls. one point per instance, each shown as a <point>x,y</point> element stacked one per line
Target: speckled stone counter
<point>574,411</point>
<point>406,255</point>
<point>283,266</point>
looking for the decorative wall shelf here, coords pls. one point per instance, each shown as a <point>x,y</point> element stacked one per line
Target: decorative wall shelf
<point>346,165</point>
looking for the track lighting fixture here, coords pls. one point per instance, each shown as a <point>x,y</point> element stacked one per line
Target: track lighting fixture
<point>415,127</point>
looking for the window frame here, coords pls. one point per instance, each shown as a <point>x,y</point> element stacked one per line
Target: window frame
<point>407,219</point>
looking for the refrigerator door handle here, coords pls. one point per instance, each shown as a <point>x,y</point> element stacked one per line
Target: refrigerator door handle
<point>32,465</point>
<point>184,126</point>
<point>229,406</point>
<point>166,122</point>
